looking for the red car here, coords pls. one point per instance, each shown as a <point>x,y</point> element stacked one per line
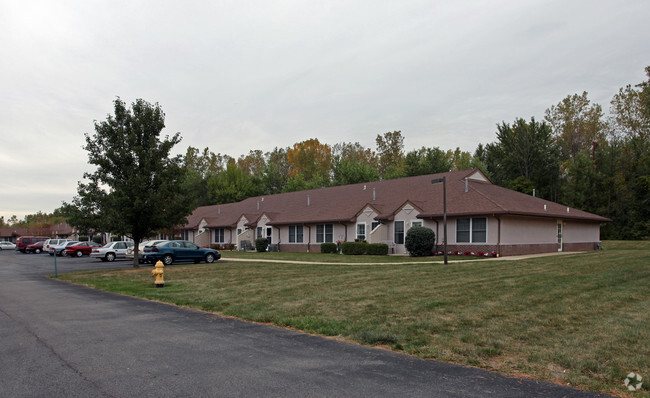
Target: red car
<point>35,247</point>
<point>80,249</point>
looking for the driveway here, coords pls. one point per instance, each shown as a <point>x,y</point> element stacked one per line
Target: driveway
<point>62,340</point>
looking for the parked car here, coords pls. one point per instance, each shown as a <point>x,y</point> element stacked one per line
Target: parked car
<point>36,247</point>
<point>80,249</point>
<point>59,249</point>
<point>179,250</point>
<point>24,241</point>
<point>141,246</point>
<point>110,251</point>
<point>6,245</point>
<point>51,242</point>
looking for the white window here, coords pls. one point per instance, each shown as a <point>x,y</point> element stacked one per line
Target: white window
<point>399,232</point>
<point>471,230</point>
<point>324,233</point>
<point>361,231</point>
<point>295,233</point>
<point>219,235</point>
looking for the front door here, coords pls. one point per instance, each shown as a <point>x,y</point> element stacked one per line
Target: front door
<point>269,234</point>
<point>559,236</point>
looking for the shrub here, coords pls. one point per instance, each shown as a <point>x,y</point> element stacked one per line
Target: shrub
<point>420,241</point>
<point>261,244</point>
<point>328,248</point>
<point>377,249</point>
<point>97,239</point>
<point>354,248</point>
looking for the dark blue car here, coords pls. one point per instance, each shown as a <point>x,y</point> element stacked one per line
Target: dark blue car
<point>179,250</point>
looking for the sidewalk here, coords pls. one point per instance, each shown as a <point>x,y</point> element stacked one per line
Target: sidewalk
<point>438,260</point>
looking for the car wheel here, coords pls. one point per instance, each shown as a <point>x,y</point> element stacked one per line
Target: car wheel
<point>209,258</point>
<point>78,253</point>
<point>37,251</point>
<point>167,259</point>
<point>110,257</point>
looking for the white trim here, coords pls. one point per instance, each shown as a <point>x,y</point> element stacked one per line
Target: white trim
<point>420,223</point>
<point>471,229</point>
<point>365,231</point>
<point>395,231</point>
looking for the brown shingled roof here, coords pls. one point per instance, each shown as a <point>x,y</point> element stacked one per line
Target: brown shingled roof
<point>387,197</point>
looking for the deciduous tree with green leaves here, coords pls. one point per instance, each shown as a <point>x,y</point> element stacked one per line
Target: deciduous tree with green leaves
<point>137,188</point>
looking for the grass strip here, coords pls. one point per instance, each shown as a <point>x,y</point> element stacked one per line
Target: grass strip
<point>579,320</point>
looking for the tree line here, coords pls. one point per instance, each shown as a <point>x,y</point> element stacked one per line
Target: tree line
<point>576,155</point>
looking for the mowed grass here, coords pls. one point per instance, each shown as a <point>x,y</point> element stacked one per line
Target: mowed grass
<point>581,319</point>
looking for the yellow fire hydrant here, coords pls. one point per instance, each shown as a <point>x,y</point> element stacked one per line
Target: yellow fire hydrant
<point>159,273</point>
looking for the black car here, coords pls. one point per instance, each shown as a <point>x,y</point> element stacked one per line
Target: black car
<point>179,250</point>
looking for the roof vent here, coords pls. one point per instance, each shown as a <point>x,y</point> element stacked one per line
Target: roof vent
<point>308,200</point>
<point>258,205</point>
<point>544,207</point>
<point>364,187</point>
<point>533,192</point>
<point>374,194</point>
<point>466,184</point>
<point>567,209</point>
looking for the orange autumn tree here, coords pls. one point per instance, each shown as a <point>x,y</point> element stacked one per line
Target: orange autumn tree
<point>310,159</point>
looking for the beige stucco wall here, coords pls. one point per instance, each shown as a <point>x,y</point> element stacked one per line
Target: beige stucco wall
<point>578,232</point>
<point>520,230</point>
<point>309,235</point>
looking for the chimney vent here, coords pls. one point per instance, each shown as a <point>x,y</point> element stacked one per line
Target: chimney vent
<point>533,192</point>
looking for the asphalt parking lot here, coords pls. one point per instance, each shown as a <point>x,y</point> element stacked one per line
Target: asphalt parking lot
<point>58,339</point>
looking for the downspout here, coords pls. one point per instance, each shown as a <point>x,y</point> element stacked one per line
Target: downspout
<point>308,239</point>
<point>279,241</point>
<point>498,236</point>
<point>437,234</point>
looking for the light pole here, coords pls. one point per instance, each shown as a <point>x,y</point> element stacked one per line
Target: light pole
<point>444,209</point>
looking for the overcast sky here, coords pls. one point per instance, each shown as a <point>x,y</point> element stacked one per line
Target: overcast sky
<point>241,75</point>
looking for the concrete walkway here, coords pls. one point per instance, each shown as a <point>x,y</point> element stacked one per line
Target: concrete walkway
<point>438,260</point>
<point>63,340</point>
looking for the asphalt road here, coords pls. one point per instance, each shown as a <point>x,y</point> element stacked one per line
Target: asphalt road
<point>62,340</point>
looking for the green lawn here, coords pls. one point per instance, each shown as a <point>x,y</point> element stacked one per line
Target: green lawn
<point>579,319</point>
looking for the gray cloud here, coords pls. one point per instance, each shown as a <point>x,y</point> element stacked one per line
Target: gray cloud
<point>236,76</point>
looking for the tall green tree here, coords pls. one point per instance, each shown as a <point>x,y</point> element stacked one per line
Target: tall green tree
<point>525,150</point>
<point>232,185</point>
<point>576,124</point>
<point>352,163</point>
<point>276,171</point>
<point>390,149</point>
<point>427,161</point>
<point>137,188</point>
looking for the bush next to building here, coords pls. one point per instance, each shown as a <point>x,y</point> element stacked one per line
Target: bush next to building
<point>377,249</point>
<point>354,248</point>
<point>329,248</point>
<point>261,244</point>
<point>420,241</point>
